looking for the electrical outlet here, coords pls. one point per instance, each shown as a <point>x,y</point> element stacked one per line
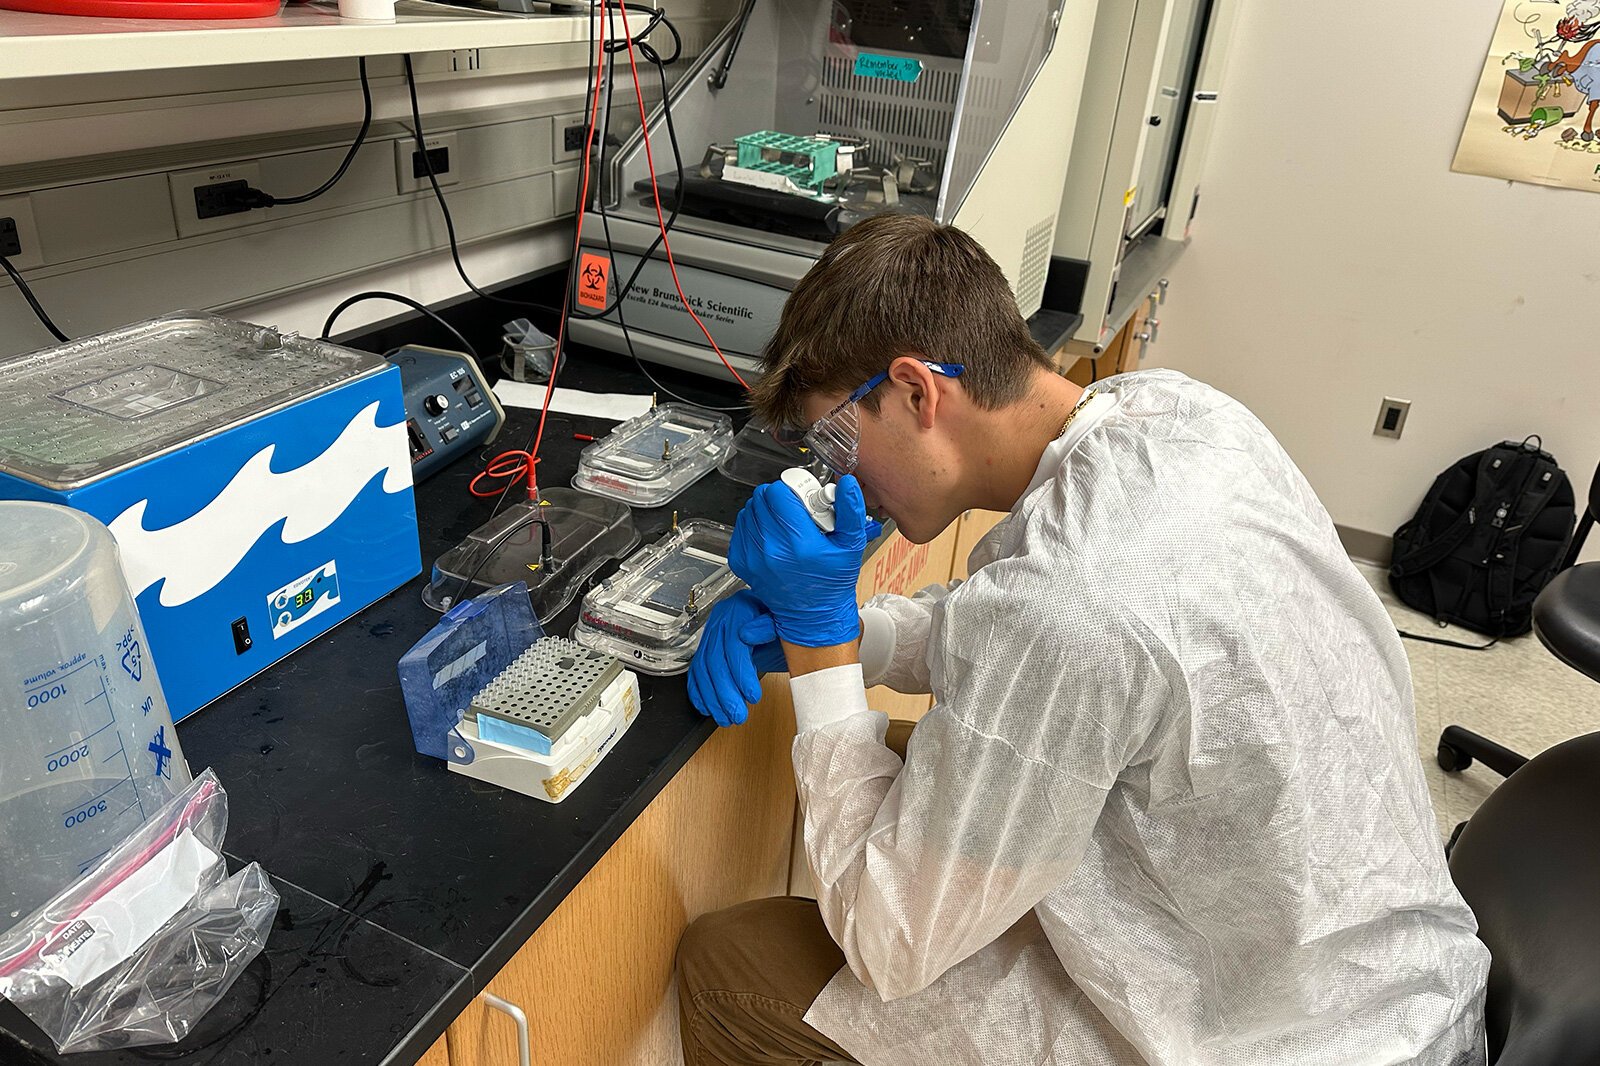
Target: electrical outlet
<point>199,212</point>
<point>19,237</point>
<point>216,200</point>
<point>570,131</point>
<point>435,161</point>
<point>410,175</point>
<point>463,60</point>
<point>1391,417</point>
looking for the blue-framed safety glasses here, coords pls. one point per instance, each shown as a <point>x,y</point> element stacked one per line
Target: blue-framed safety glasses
<point>835,438</point>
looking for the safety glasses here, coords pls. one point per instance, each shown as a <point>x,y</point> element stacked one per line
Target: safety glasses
<point>835,438</point>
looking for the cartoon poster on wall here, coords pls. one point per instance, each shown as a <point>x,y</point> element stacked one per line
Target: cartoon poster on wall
<point>1533,116</point>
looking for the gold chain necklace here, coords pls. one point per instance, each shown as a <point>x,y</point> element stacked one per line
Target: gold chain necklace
<point>1087,396</point>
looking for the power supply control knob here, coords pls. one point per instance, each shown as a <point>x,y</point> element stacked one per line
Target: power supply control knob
<point>437,404</point>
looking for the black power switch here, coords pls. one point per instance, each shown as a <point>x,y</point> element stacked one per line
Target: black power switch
<point>241,635</point>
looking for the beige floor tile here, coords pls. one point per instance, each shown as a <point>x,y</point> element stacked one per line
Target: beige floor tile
<point>1516,693</point>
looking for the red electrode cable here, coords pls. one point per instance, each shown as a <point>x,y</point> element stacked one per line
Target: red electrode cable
<point>518,465</point>
<point>655,191</point>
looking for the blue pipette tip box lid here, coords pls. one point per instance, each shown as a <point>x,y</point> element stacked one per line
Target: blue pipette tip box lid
<point>471,645</point>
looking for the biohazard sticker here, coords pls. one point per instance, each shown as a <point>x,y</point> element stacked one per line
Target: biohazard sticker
<point>594,272</point>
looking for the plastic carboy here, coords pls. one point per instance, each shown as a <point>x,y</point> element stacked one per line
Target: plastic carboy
<point>88,751</point>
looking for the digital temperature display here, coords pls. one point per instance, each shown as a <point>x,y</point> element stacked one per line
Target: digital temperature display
<point>303,599</point>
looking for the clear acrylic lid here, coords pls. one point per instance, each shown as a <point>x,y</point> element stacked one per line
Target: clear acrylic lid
<point>650,613</point>
<point>584,531</point>
<point>648,460</point>
<point>760,455</point>
<point>78,411</point>
<point>1009,42</point>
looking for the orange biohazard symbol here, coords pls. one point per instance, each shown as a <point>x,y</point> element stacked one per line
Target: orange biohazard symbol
<point>593,272</point>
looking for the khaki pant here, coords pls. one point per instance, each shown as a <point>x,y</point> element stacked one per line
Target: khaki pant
<point>748,974</point>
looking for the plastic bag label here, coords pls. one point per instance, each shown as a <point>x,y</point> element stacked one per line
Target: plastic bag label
<point>116,925</point>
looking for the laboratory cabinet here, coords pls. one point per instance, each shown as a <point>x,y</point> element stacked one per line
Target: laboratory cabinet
<point>1133,181</point>
<point>596,981</point>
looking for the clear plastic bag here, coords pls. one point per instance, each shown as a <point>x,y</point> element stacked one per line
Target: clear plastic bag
<point>139,948</point>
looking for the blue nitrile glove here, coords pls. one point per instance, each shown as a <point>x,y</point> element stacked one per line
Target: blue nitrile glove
<point>805,577</point>
<point>738,645</point>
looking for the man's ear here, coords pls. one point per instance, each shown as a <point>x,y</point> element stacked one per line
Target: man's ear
<point>919,388</point>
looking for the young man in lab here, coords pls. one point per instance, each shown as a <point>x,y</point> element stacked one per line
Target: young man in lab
<point>1167,807</point>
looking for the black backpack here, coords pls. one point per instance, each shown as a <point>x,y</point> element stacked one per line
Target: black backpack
<point>1490,534</point>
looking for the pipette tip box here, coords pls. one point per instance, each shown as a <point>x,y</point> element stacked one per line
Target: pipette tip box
<point>488,693</point>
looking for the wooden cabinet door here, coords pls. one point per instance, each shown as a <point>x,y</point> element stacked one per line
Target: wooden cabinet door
<point>438,1054</point>
<point>596,980</point>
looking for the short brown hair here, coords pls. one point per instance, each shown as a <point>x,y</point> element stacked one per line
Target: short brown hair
<point>897,285</point>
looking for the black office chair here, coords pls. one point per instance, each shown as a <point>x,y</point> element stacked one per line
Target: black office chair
<point>1564,617</point>
<point>1528,864</point>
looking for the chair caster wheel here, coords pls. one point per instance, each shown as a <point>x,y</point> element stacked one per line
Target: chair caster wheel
<point>1452,760</point>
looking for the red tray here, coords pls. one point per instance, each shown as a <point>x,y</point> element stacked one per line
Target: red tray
<point>150,9</point>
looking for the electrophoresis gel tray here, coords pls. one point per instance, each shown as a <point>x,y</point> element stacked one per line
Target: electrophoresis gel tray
<point>648,460</point>
<point>651,613</point>
<point>760,454</point>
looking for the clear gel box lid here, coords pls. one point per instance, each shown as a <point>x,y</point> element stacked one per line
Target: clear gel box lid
<point>584,532</point>
<point>760,454</point>
<point>648,460</point>
<point>651,612</point>
<point>82,410</point>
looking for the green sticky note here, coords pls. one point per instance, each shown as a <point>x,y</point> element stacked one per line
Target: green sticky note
<point>890,68</point>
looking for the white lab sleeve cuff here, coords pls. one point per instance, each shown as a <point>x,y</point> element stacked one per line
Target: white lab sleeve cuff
<point>827,696</point>
<point>877,644</point>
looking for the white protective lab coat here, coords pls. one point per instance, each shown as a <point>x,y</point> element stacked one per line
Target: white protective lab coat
<point>1167,807</point>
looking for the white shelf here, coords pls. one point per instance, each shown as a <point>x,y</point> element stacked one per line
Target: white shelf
<point>33,46</point>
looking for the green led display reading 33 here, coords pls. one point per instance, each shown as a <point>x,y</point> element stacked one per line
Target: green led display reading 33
<point>305,597</point>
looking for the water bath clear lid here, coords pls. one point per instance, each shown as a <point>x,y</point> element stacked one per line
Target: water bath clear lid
<point>78,411</point>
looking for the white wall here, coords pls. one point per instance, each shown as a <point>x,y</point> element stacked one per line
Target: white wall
<point>1337,260</point>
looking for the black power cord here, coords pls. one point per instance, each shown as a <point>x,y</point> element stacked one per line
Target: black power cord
<point>327,327</point>
<point>438,194</point>
<point>251,198</point>
<point>660,63</point>
<point>559,357</point>
<point>545,559</point>
<point>33,301</point>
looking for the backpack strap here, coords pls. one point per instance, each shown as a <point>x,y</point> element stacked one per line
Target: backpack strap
<point>1428,554</point>
<point>1535,495</point>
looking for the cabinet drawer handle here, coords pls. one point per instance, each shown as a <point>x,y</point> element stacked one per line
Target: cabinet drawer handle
<point>514,1012</point>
